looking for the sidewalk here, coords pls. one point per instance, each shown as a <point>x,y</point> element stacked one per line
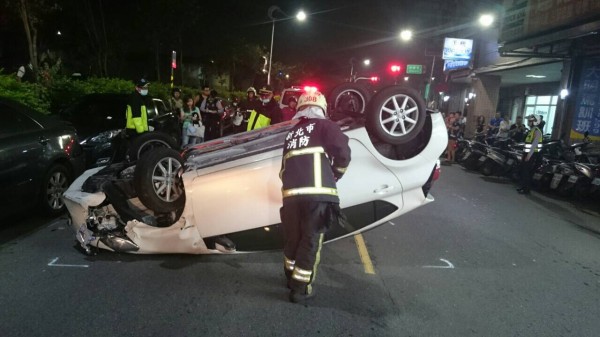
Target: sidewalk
<point>584,213</point>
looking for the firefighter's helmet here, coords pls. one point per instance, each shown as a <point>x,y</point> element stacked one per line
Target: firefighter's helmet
<point>314,98</point>
<point>251,89</point>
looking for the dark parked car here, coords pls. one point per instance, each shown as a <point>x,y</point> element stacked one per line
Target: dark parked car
<point>40,156</point>
<point>99,118</point>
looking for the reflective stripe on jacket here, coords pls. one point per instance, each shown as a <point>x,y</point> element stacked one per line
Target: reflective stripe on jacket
<point>257,121</point>
<point>137,114</point>
<point>315,155</point>
<point>531,138</point>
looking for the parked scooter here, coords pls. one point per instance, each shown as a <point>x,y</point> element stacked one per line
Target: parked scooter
<point>473,151</point>
<point>543,174</point>
<point>504,160</point>
<point>579,182</point>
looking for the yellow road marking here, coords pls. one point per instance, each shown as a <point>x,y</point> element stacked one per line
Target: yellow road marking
<point>364,254</point>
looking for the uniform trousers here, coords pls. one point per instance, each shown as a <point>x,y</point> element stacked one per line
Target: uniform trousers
<point>304,224</point>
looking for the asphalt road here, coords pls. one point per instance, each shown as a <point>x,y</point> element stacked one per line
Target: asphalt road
<point>479,261</point>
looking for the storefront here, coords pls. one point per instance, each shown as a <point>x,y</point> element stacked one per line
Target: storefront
<point>546,62</point>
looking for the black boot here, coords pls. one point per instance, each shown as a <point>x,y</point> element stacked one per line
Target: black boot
<point>300,297</point>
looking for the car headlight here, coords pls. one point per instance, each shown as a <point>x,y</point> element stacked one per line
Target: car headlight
<point>103,137</point>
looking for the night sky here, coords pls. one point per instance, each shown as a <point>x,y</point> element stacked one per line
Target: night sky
<point>334,32</point>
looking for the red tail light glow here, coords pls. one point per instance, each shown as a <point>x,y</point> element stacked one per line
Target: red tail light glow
<point>310,89</point>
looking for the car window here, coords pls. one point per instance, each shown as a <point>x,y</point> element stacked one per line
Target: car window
<point>13,121</point>
<point>160,106</point>
<point>111,112</point>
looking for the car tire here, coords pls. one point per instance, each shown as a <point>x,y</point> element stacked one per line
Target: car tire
<point>56,181</point>
<point>349,99</point>
<point>388,111</point>
<point>157,181</point>
<point>149,141</point>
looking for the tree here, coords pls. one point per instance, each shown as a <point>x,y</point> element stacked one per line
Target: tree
<point>91,17</point>
<point>31,13</point>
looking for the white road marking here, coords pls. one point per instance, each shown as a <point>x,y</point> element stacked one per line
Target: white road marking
<point>459,196</point>
<point>448,265</point>
<point>54,264</point>
<point>391,223</point>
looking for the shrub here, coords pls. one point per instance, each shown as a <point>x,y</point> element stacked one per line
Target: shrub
<point>30,94</point>
<point>60,92</point>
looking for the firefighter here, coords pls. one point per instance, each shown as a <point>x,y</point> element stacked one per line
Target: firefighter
<point>137,113</point>
<point>315,155</point>
<point>251,102</point>
<point>533,146</point>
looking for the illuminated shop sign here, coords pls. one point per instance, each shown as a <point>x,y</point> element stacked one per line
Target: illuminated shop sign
<point>457,49</point>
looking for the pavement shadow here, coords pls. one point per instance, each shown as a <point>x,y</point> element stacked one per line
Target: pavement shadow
<point>496,180</point>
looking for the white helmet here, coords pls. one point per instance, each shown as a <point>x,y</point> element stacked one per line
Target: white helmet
<point>314,98</point>
<point>535,119</point>
<point>251,89</point>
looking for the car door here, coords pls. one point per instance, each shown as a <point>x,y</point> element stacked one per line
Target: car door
<point>246,193</point>
<point>97,114</point>
<point>161,119</point>
<point>111,112</point>
<point>21,150</point>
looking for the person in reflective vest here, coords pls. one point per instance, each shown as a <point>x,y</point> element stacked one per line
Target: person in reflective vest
<point>257,121</point>
<point>137,113</point>
<point>267,113</point>
<point>533,146</point>
<point>315,155</point>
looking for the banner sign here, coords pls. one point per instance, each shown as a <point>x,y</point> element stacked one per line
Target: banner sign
<point>587,107</point>
<point>455,64</point>
<point>457,49</point>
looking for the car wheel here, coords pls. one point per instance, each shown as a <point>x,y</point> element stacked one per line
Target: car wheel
<point>55,183</point>
<point>149,141</point>
<point>395,115</point>
<point>349,99</point>
<point>157,181</point>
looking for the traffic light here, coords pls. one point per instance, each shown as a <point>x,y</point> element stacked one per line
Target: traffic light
<point>395,68</point>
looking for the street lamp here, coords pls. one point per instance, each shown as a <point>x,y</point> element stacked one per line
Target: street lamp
<point>367,62</point>
<point>486,20</point>
<point>406,35</point>
<point>301,16</point>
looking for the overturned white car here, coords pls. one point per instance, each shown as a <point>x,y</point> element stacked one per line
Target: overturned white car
<point>224,196</point>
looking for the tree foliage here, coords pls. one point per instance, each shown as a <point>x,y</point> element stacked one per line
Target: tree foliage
<point>33,14</point>
<point>137,40</point>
